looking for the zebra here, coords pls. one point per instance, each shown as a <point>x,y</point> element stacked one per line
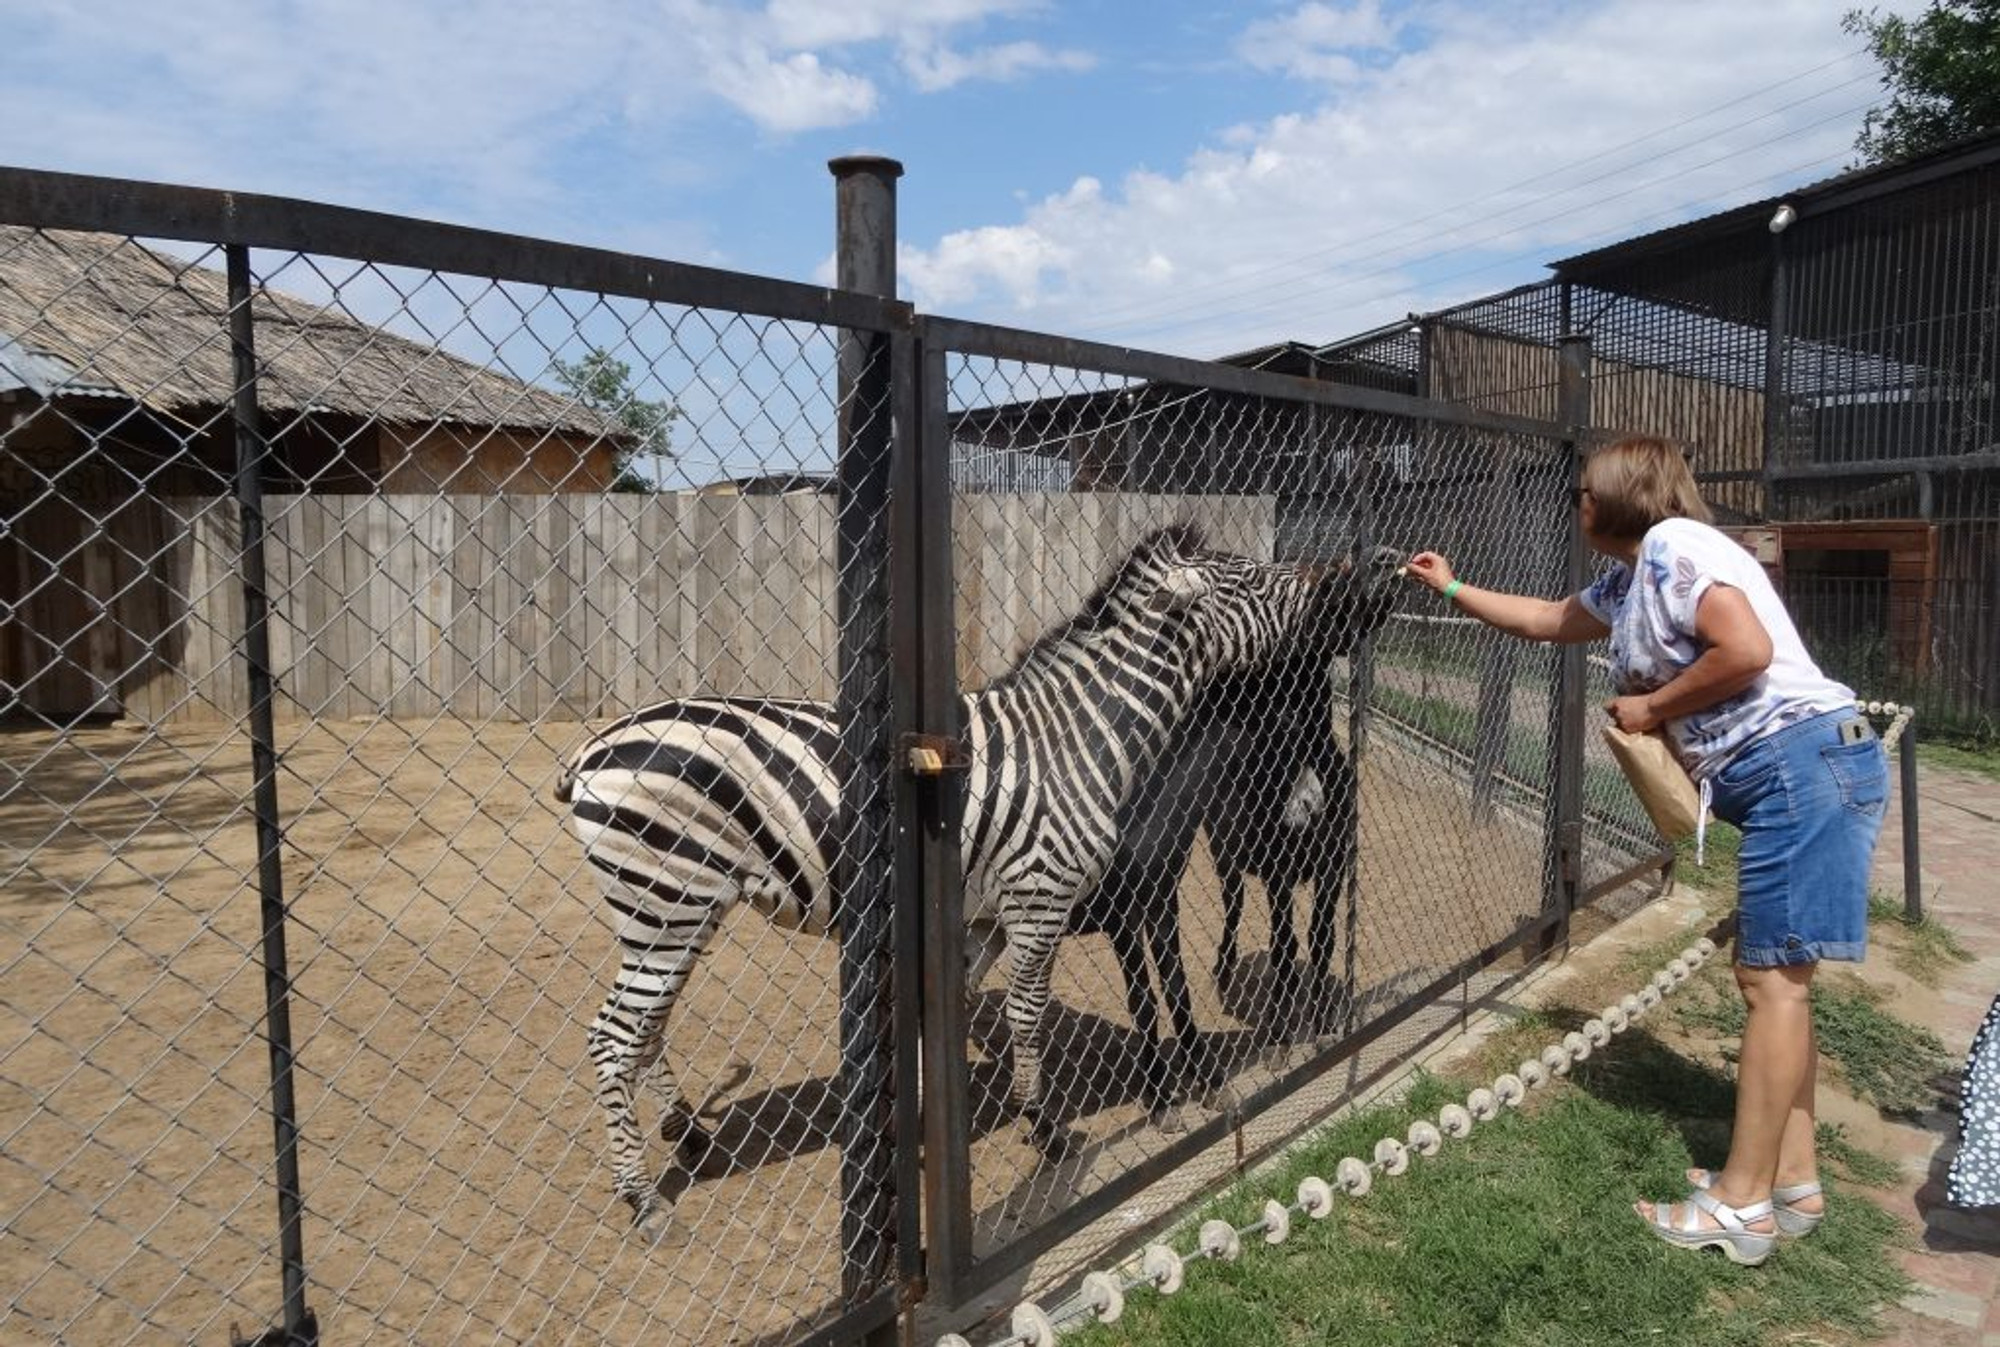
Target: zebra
<point>688,807</point>
<point>1257,764</point>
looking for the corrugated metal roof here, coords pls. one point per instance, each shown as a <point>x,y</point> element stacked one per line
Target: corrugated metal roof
<point>1805,199</point>
<point>23,368</point>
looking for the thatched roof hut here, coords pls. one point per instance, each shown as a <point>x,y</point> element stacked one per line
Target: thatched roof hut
<point>99,320</point>
<point>96,314</point>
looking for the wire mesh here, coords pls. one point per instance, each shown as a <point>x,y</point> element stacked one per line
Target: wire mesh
<point>496,516</point>
<point>1308,851</point>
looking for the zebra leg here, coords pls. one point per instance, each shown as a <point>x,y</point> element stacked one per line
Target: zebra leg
<point>1155,1087</point>
<point>1282,1018</point>
<point>1193,1063</point>
<point>626,1038</point>
<point>1230,876</point>
<point>1030,961</point>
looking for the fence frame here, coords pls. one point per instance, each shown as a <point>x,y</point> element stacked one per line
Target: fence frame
<point>957,1274</point>
<point>904,470</point>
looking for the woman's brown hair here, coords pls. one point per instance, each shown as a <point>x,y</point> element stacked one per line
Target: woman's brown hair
<point>1639,481</point>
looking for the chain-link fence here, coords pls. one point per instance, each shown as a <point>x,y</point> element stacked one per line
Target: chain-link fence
<point>450,679</point>
<point>343,793</point>
<point>1315,851</point>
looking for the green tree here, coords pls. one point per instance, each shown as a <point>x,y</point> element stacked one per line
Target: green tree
<point>1942,73</point>
<point>603,383</point>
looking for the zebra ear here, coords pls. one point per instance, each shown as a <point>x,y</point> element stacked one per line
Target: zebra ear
<point>1181,587</point>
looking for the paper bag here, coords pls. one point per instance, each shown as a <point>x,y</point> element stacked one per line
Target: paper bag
<point>1658,779</point>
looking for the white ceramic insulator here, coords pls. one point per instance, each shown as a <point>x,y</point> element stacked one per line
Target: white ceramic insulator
<point>1510,1089</point>
<point>1577,1046</point>
<point>1032,1326</point>
<point>1556,1058</point>
<point>1162,1267</point>
<point>1277,1222</point>
<point>952,1340</point>
<point>1632,1006</point>
<point>1663,981</point>
<point>1424,1137</point>
<point>1482,1105</point>
<point>1218,1239</point>
<point>1649,996</point>
<point>1706,946</point>
<point>1353,1176</point>
<point>1392,1155</point>
<point>1316,1198</point>
<point>1532,1073</point>
<point>1596,1032</point>
<point>1678,970</point>
<point>1891,708</point>
<point>1106,1296</point>
<point>1615,1019</point>
<point>1454,1121</point>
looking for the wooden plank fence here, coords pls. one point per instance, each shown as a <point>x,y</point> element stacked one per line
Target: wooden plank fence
<point>528,607</point>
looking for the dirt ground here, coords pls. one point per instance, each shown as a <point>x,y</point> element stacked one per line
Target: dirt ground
<point>447,957</point>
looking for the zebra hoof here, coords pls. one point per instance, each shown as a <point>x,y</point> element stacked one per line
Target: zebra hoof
<point>1054,1142</point>
<point>1222,1099</point>
<point>699,1152</point>
<point>650,1214</point>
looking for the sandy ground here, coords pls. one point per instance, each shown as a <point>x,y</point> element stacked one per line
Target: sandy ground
<point>448,956</point>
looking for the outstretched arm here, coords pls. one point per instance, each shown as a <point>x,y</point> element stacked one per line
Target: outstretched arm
<point>1563,621</point>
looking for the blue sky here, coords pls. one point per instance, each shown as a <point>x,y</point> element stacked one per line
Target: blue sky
<point>1192,177</point>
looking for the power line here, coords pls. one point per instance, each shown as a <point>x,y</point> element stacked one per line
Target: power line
<point>1202,314</point>
<point>1117,317</point>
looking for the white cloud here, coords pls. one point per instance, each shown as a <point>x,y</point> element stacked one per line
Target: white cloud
<point>933,69</point>
<point>480,102</point>
<point>792,93</point>
<point>1316,41</point>
<point>1424,168</point>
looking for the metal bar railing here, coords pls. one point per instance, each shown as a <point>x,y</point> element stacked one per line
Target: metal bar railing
<point>299,1329</point>
<point>868,687</point>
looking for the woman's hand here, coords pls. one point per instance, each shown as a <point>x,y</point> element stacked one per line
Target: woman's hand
<point>1428,568</point>
<point>1634,715</point>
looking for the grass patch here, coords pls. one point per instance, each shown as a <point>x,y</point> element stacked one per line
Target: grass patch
<point>1721,865</point>
<point>1979,761</point>
<point>1924,950</point>
<point>1521,1234</point>
<point>1884,1057</point>
<point>1853,1162</point>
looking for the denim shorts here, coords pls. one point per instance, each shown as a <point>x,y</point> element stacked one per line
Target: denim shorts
<point>1810,807</point>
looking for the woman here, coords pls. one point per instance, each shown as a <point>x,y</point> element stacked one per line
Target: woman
<point>1702,646</point>
<point>1974,1177</point>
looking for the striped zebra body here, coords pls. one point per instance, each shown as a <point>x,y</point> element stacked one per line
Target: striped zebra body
<point>690,807</point>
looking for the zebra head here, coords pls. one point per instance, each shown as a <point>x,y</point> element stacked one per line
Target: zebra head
<point>1351,601</point>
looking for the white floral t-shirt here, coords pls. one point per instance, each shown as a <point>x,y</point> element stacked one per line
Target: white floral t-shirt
<point>1652,621</point>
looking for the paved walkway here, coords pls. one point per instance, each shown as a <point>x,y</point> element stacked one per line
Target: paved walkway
<point>1956,1263</point>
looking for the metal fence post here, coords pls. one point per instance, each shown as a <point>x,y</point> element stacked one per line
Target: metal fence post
<point>1779,301</point>
<point>866,262</point>
<point>1913,860</point>
<point>300,1329</point>
<point>1563,828</point>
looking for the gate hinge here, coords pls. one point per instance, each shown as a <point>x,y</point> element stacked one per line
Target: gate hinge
<point>932,754</point>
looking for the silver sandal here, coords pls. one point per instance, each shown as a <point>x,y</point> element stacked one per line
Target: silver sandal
<point>1792,1223</point>
<point>1735,1238</point>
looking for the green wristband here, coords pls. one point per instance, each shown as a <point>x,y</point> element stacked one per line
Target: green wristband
<point>1451,590</point>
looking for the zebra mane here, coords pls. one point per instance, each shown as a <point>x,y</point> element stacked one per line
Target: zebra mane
<point>1098,611</point>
